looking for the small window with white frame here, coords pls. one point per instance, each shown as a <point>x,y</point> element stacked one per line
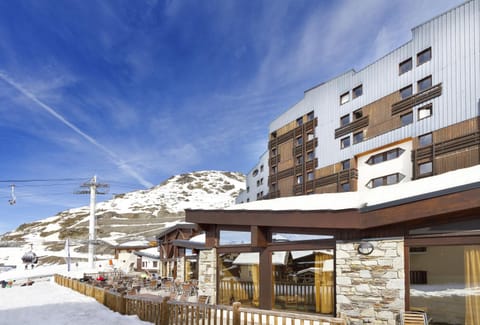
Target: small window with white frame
<point>344,98</point>
<point>344,120</point>
<point>424,84</point>
<point>345,142</point>
<point>424,112</point>
<point>358,137</point>
<point>405,66</point>
<point>406,92</point>
<point>357,91</point>
<point>424,56</point>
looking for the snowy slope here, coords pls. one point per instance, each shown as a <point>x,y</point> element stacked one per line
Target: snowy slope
<point>135,215</point>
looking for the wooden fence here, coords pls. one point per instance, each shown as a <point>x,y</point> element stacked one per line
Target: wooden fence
<point>162,311</point>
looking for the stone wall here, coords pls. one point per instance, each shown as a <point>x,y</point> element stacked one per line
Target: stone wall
<point>181,269</point>
<point>207,274</point>
<point>371,288</point>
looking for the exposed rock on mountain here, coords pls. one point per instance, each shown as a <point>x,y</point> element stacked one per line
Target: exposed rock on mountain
<point>134,215</point>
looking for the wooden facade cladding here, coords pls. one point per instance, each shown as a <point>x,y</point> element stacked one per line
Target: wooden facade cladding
<point>337,178</point>
<point>421,97</point>
<point>285,143</point>
<point>461,146</point>
<point>352,127</point>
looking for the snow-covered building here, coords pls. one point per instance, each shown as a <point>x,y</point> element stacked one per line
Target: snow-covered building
<point>391,158</point>
<point>367,256</point>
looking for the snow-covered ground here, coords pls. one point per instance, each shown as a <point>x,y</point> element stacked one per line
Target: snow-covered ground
<point>45,302</point>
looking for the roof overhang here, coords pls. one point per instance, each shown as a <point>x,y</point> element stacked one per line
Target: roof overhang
<point>454,203</point>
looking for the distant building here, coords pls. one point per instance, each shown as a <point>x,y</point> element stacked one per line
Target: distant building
<point>257,182</point>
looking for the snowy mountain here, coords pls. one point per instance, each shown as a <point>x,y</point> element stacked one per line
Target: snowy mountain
<point>137,215</point>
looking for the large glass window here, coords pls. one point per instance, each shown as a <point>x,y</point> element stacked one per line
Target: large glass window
<point>238,278</point>
<point>303,280</point>
<point>445,281</point>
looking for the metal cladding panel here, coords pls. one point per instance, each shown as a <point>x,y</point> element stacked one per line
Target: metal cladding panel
<point>454,39</point>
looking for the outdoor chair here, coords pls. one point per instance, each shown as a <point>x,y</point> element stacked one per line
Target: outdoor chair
<point>414,318</point>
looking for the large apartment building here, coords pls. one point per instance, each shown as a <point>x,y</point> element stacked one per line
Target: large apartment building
<point>414,113</point>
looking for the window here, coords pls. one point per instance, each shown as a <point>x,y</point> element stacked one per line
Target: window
<point>261,168</point>
<point>424,56</point>
<point>248,200</point>
<point>310,176</point>
<point>345,187</point>
<point>248,189</point>
<point>274,187</point>
<point>255,173</point>
<point>357,114</point>
<point>344,98</point>
<point>345,143</point>
<point>405,66</point>
<point>274,152</point>
<point>358,137</point>
<point>424,112</point>
<point>310,155</point>
<point>385,156</point>
<point>357,91</point>
<point>406,92</point>
<point>261,181</point>
<point>310,136</point>
<point>385,180</point>
<point>425,168</point>
<point>274,134</point>
<point>344,120</point>
<point>406,118</point>
<point>346,164</point>
<point>299,121</point>
<point>274,169</point>
<point>299,160</point>
<point>310,116</point>
<point>299,141</point>
<point>424,84</point>
<point>425,140</point>
<point>258,183</point>
<point>299,179</point>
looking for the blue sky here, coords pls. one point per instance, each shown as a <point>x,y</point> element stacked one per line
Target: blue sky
<point>138,91</point>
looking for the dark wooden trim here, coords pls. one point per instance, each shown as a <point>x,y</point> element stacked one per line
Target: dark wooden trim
<point>352,127</point>
<point>265,285</point>
<point>416,99</point>
<point>442,240</point>
<point>395,219</point>
<point>286,173</point>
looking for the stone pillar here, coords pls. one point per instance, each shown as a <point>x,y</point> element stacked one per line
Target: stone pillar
<point>207,274</point>
<point>371,288</point>
<point>181,269</point>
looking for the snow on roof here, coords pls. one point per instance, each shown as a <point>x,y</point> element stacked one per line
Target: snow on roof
<point>376,196</point>
<point>278,258</point>
<point>135,243</point>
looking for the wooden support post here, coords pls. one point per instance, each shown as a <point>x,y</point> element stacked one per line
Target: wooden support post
<point>236,313</point>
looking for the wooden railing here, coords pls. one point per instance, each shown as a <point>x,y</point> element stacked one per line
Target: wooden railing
<point>162,311</point>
